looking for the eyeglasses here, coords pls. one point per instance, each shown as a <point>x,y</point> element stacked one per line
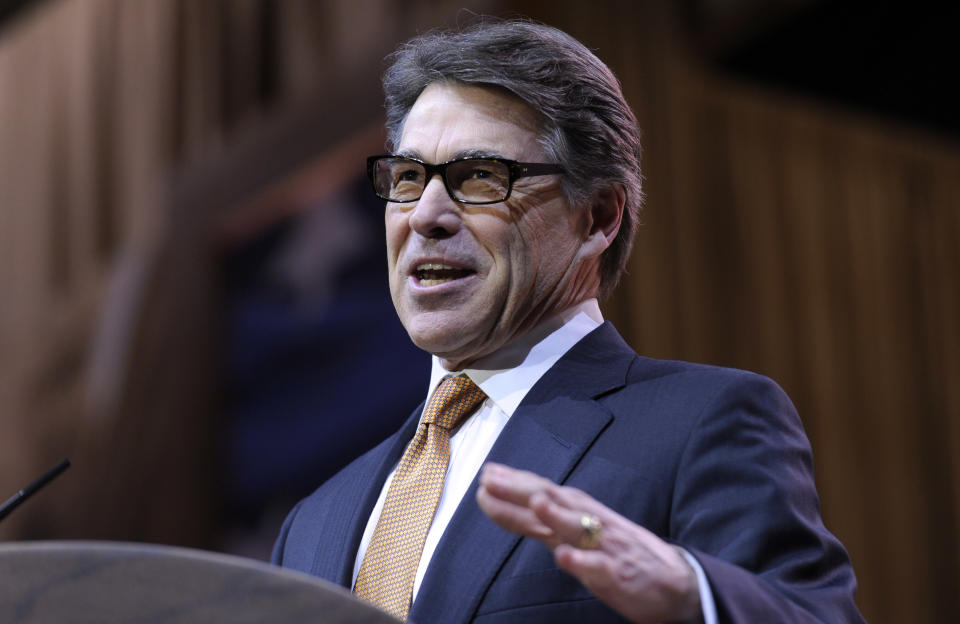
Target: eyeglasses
<point>467,180</point>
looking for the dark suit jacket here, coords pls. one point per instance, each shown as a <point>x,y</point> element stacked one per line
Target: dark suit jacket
<point>714,460</point>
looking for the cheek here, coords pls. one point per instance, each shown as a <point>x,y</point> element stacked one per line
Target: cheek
<point>396,232</point>
<point>490,233</point>
<point>548,255</point>
<point>535,243</point>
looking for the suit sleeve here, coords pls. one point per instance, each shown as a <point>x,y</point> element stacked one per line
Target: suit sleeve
<point>746,507</point>
<point>277,557</point>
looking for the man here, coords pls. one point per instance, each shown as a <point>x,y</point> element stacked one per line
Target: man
<point>687,494</point>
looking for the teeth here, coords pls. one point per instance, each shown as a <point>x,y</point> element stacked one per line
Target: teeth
<point>434,266</point>
<point>436,273</point>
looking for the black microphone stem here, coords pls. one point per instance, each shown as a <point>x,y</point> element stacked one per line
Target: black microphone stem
<point>14,501</point>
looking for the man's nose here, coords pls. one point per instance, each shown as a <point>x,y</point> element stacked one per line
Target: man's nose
<point>435,214</point>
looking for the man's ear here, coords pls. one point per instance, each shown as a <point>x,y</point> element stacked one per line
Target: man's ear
<point>604,217</point>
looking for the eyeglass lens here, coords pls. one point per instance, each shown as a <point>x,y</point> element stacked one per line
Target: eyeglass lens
<point>472,180</point>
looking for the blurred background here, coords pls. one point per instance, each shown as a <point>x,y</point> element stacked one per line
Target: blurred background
<point>193,301</point>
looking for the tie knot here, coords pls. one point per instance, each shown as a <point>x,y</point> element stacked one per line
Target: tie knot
<point>453,399</point>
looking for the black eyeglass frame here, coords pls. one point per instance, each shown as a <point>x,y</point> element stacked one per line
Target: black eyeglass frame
<point>516,169</point>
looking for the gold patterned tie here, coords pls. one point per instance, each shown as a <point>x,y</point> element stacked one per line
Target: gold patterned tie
<point>390,564</point>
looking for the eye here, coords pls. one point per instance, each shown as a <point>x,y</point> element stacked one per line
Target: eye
<point>406,174</point>
<point>478,173</point>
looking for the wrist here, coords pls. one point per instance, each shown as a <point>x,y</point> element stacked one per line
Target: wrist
<point>688,607</point>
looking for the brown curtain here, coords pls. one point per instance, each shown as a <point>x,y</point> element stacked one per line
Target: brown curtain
<point>128,128</point>
<point>819,248</point>
<point>101,100</point>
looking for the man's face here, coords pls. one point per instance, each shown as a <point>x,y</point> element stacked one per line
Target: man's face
<point>466,280</point>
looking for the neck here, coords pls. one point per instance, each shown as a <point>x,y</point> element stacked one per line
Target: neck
<point>514,352</point>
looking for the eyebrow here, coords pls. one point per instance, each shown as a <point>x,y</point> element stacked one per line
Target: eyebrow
<point>466,153</point>
<point>477,153</point>
<point>410,154</point>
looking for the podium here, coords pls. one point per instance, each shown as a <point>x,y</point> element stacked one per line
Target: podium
<point>112,582</point>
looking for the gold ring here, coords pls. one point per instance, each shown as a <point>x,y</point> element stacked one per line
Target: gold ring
<point>592,529</point>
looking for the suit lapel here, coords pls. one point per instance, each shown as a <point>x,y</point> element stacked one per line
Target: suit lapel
<point>367,484</point>
<point>548,434</point>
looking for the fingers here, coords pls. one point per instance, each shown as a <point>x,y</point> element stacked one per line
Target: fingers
<point>526,503</point>
<point>515,486</point>
<point>593,568</point>
<point>637,590</point>
<point>506,505</point>
<point>565,522</point>
<point>513,518</point>
<point>628,567</point>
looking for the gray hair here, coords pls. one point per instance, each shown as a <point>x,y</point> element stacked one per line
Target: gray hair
<point>588,125</point>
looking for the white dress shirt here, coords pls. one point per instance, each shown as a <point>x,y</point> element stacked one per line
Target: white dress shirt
<point>505,377</point>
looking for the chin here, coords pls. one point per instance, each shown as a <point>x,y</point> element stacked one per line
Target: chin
<point>444,335</point>
<point>434,335</point>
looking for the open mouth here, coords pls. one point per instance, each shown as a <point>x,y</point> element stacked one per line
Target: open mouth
<point>435,273</point>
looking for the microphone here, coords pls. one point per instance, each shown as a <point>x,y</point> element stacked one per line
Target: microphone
<point>14,501</point>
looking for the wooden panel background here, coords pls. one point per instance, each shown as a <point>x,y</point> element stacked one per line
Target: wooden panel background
<point>781,235</point>
<point>820,248</point>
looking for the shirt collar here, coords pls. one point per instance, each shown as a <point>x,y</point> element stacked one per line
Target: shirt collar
<point>508,374</point>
